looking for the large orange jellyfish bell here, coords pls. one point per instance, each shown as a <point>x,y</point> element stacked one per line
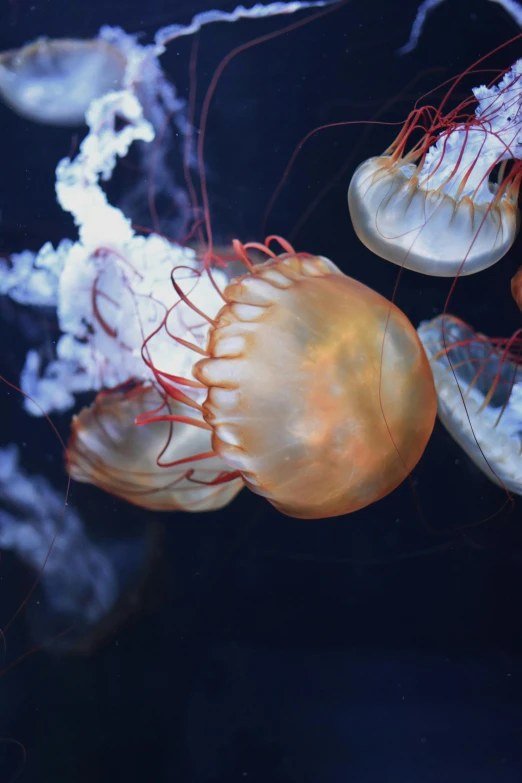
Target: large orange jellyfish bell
<point>433,209</point>
<point>319,391</point>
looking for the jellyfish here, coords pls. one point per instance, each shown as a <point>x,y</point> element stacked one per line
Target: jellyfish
<point>434,208</point>
<point>479,392</point>
<point>54,81</point>
<point>150,466</point>
<point>316,390</point>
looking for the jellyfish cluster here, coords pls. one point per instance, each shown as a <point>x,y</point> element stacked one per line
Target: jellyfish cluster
<point>443,201</point>
<point>260,366</point>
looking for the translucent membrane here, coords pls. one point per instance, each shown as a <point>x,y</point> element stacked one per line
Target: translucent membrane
<point>426,229</point>
<point>54,81</point>
<point>109,450</point>
<point>320,392</point>
<point>479,397</point>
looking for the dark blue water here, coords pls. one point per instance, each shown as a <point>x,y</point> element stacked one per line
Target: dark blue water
<point>385,646</point>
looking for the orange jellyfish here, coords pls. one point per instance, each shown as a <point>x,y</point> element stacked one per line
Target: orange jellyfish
<point>319,395</point>
<point>434,208</point>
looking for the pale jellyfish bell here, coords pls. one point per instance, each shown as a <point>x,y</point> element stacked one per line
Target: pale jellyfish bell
<point>314,391</point>
<point>435,208</point>
<point>54,81</point>
<point>149,466</point>
<point>479,390</point>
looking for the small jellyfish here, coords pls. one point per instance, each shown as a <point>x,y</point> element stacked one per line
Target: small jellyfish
<point>479,390</point>
<point>319,394</point>
<point>54,81</point>
<point>434,208</point>
<point>150,466</point>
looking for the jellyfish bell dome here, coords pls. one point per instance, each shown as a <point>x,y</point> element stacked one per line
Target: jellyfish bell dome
<point>400,217</point>
<point>435,209</point>
<point>54,81</point>
<point>319,390</point>
<point>138,464</point>
<point>479,390</point>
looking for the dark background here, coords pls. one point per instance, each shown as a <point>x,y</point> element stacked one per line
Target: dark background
<point>385,646</point>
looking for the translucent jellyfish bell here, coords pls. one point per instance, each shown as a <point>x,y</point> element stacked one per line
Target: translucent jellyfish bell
<point>319,391</point>
<point>479,391</point>
<point>54,81</point>
<point>434,209</point>
<point>108,449</point>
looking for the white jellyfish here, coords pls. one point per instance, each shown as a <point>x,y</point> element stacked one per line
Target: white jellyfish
<point>434,208</point>
<point>479,391</point>
<point>54,82</point>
